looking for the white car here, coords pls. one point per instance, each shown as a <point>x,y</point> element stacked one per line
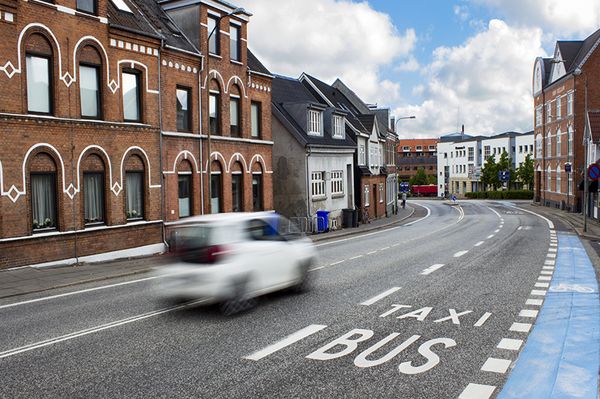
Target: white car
<point>231,258</point>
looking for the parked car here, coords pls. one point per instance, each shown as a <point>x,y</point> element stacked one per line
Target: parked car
<point>232,258</point>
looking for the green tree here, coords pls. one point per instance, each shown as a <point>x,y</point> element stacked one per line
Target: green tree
<point>431,179</point>
<point>419,179</point>
<point>489,173</point>
<point>525,172</point>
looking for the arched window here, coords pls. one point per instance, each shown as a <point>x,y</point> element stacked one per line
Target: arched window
<point>235,112</point>
<point>214,108</point>
<point>558,179</point>
<point>549,179</point>
<point>131,83</point>
<point>257,187</point>
<point>538,146</point>
<point>90,83</point>
<point>548,145</point>
<point>184,175</point>
<point>134,188</point>
<point>570,140</point>
<point>558,142</point>
<point>42,175</point>
<point>216,187</point>
<point>93,190</point>
<point>39,74</point>
<point>237,187</point>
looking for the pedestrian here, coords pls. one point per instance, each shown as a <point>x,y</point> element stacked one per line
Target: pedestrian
<point>403,200</point>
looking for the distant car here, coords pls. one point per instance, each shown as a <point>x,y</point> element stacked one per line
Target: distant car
<point>234,257</point>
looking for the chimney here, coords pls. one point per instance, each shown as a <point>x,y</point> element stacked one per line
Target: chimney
<point>393,122</point>
<point>462,132</point>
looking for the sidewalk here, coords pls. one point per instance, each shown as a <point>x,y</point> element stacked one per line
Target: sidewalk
<point>572,221</point>
<point>26,280</point>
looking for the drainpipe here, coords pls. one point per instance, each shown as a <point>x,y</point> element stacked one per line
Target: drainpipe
<point>308,215</point>
<point>200,134</point>
<point>160,149</point>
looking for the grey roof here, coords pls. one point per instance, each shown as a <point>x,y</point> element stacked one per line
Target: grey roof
<point>368,121</point>
<point>255,65</point>
<point>288,90</point>
<point>568,51</point>
<point>130,21</point>
<point>351,96</point>
<point>585,48</point>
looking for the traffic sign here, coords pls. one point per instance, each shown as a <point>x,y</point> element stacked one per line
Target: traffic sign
<point>594,171</point>
<point>404,187</point>
<point>568,167</point>
<point>504,175</point>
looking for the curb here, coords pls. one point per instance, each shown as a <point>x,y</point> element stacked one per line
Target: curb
<point>365,230</point>
<point>576,229</point>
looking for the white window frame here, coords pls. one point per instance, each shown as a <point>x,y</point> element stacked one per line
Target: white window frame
<point>548,145</point>
<point>315,122</point>
<point>317,185</point>
<point>558,179</point>
<point>569,103</point>
<point>548,179</point>
<point>570,140</point>
<point>381,193</point>
<point>338,127</point>
<point>337,183</point>
<point>362,157</point>
<point>367,194</point>
<point>538,146</point>
<point>538,116</point>
<point>558,108</point>
<point>487,151</point>
<point>558,142</point>
<point>548,112</point>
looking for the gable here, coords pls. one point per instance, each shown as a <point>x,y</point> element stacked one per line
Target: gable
<point>558,66</point>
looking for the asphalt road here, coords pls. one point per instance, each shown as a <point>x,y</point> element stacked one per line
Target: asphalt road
<point>427,338</point>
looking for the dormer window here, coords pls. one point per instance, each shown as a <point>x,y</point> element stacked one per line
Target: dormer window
<point>315,122</point>
<point>338,127</point>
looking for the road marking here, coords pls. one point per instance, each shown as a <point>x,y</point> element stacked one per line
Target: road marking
<point>545,278</point>
<point>287,341</point>
<point>547,272</point>
<point>550,224</point>
<point>379,297</point>
<point>477,391</point>
<point>104,287</point>
<point>336,263</point>
<point>480,243</point>
<point>482,320</point>
<point>528,313</point>
<point>356,257</point>
<point>534,302</point>
<point>538,293</point>
<point>490,236</point>
<point>92,330</point>
<point>384,248</point>
<point>423,218</point>
<point>316,268</point>
<point>496,365</point>
<point>510,344</point>
<point>553,245</point>
<point>497,214</point>
<point>552,250</point>
<point>520,227</point>
<point>550,262</point>
<point>497,231</point>
<point>460,253</point>
<point>520,327</point>
<point>548,267</point>
<point>542,285</point>
<point>431,269</point>
<point>462,214</point>
<point>551,256</point>
<point>371,253</point>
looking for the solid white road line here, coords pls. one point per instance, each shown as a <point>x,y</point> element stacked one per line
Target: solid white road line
<point>423,218</point>
<point>480,243</point>
<point>510,344</point>
<point>534,302</point>
<point>496,365</point>
<point>289,340</point>
<point>337,263</point>
<point>520,327</point>
<point>93,330</point>
<point>431,269</point>
<point>497,214</point>
<point>104,287</point>
<point>528,313</point>
<point>550,224</point>
<point>371,301</point>
<point>316,268</point>
<point>461,213</point>
<point>460,253</point>
<point>477,391</point>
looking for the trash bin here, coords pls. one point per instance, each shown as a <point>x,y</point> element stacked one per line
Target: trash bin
<point>355,218</point>
<point>322,221</point>
<point>347,218</point>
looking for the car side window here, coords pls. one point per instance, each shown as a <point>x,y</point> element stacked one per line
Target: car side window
<point>259,230</point>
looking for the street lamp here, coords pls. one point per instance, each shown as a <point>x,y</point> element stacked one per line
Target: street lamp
<point>401,118</point>
<point>586,139</point>
<point>237,11</point>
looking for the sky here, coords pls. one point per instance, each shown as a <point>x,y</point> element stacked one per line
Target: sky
<point>447,62</point>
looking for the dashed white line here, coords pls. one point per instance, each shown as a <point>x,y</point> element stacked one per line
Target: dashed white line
<point>534,302</point>
<point>550,262</point>
<point>496,365</point>
<point>528,313</point>
<point>497,231</point>
<point>379,297</point>
<point>431,269</point>
<point>550,255</point>
<point>480,243</point>
<point>520,327</point>
<point>316,268</point>
<point>538,293</point>
<point>545,278</point>
<point>477,391</point>
<point>356,257</point>
<point>371,253</point>
<point>552,249</point>
<point>510,344</point>
<point>384,248</point>
<point>460,253</point>
<point>547,272</point>
<point>289,340</point>
<point>337,263</point>
<point>490,236</point>
<point>542,285</point>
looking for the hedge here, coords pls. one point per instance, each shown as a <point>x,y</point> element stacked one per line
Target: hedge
<point>511,194</point>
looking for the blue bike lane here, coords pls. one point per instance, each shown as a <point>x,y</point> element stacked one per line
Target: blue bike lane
<point>561,358</point>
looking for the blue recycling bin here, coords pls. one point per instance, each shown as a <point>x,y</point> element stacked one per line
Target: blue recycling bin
<point>322,221</point>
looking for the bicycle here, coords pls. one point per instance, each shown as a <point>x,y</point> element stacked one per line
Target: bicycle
<point>365,217</point>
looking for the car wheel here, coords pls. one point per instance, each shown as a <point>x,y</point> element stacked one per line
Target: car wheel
<point>304,282</point>
<point>240,301</point>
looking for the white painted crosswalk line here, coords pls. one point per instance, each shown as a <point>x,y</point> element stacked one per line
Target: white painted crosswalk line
<point>534,302</point>
<point>528,313</point>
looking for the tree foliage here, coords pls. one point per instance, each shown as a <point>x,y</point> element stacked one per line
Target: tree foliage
<point>525,172</point>
<point>489,173</point>
<point>420,179</point>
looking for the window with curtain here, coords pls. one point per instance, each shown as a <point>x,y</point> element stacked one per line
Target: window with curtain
<point>38,84</point>
<point>234,116</point>
<point>130,82</point>
<point>185,195</point>
<point>257,196</point>
<point>213,111</point>
<point>134,187</point>
<point>43,200</point>
<point>93,197</point>
<point>89,91</point>
<point>255,116</point>
<point>183,109</point>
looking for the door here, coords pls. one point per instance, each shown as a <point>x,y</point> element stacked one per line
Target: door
<point>538,189</point>
<point>375,191</point>
<point>237,193</point>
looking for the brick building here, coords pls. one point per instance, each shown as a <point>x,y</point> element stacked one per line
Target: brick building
<point>560,84</point>
<point>413,154</point>
<point>90,92</point>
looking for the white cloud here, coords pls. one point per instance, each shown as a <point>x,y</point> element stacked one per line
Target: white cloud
<point>484,83</point>
<point>409,65</point>
<point>330,39</point>
<point>578,18</point>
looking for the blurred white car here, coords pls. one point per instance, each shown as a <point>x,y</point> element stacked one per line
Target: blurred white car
<point>231,258</point>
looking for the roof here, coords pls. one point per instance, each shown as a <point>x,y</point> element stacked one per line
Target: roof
<point>594,118</point>
<point>131,21</point>
<point>351,96</point>
<point>568,51</point>
<point>368,121</point>
<point>586,46</point>
<point>413,143</point>
<point>255,65</point>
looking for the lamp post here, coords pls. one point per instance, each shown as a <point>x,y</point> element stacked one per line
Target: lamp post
<point>237,11</point>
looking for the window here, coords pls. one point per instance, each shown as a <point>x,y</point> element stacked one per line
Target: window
<point>361,154</point>
<point>214,114</point>
<point>257,192</point>
<point>38,84</point>
<point>185,194</point>
<point>406,148</point>
<point>87,6</point>
<point>237,192</point>
<point>570,140</point>
<point>548,113</point>
<point>89,91</point>
<point>183,109</point>
<point>487,151</point>
<point>337,183</point>
<point>569,104</point>
<point>214,42</point>
<point>216,184</point>
<point>548,145</point>
<point>538,116</point>
<point>318,184</point>
<point>558,179</point>
<point>338,126</point>
<point>558,142</point>
<point>431,148</point>
<point>419,148</point>
<point>548,178</point>
<point>471,154</point>
<point>520,149</point>
<point>367,195</point>
<point>558,107</point>
<point>134,187</point>
<point>381,192</point>
<point>315,122</point>
<point>131,96</point>
<point>255,116</point>
<point>234,116</point>
<point>538,146</point>
<point>43,200</point>
<point>93,186</point>
<point>570,183</point>
<point>234,43</point>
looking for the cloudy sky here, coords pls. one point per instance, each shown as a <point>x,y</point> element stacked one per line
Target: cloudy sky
<point>448,62</point>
